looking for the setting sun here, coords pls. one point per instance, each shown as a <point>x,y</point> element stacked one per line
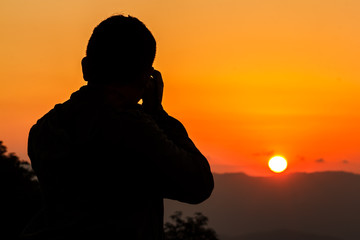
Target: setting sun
<point>277,164</point>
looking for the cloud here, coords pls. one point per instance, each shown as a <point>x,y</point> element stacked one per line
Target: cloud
<point>345,161</point>
<point>320,160</point>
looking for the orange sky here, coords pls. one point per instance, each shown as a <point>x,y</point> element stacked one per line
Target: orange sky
<point>248,78</point>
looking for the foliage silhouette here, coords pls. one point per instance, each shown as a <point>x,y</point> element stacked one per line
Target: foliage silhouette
<point>191,228</point>
<point>20,194</point>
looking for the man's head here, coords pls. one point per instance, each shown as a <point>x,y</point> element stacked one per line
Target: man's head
<point>121,50</point>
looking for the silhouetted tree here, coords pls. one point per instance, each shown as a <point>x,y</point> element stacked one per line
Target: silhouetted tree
<point>191,228</point>
<point>20,194</point>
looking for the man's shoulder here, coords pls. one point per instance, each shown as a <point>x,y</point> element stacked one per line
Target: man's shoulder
<point>132,116</point>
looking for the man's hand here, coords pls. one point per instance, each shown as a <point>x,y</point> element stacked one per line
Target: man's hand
<point>153,93</point>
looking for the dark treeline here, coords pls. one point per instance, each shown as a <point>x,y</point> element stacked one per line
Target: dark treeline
<point>20,194</point>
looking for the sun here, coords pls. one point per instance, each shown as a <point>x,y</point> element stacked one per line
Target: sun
<point>277,164</point>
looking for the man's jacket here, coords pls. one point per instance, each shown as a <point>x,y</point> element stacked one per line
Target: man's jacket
<point>105,169</point>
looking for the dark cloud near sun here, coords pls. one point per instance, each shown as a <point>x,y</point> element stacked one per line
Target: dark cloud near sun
<point>320,160</point>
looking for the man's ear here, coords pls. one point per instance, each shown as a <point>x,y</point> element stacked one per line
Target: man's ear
<point>85,68</point>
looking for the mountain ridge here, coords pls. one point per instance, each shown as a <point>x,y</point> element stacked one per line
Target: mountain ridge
<point>281,234</point>
<point>323,203</point>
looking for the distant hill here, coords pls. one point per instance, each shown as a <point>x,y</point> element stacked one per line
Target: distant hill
<point>323,203</point>
<point>280,235</point>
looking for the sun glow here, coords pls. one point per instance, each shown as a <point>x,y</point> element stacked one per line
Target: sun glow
<point>277,164</point>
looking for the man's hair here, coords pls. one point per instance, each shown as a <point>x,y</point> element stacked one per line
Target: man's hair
<point>120,49</point>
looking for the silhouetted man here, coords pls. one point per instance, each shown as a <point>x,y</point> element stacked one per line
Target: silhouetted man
<point>104,162</point>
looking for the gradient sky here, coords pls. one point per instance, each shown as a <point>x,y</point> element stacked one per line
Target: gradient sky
<point>248,78</point>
